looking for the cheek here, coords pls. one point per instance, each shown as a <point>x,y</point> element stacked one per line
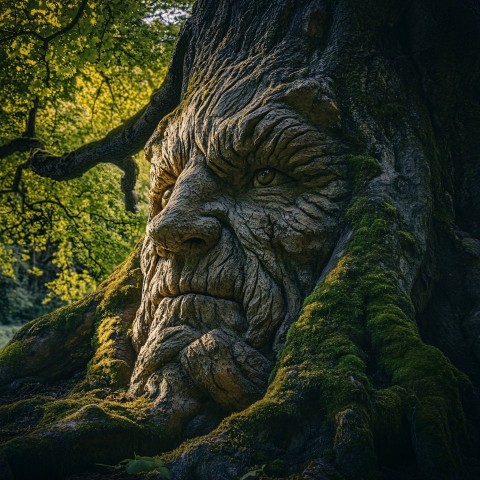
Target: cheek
<point>299,230</point>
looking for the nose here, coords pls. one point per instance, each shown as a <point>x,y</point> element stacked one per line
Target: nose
<point>179,233</point>
<point>184,226</point>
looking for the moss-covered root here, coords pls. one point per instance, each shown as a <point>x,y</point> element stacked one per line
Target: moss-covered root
<point>113,361</point>
<point>51,348</point>
<point>431,387</point>
<point>354,359</point>
<point>75,434</point>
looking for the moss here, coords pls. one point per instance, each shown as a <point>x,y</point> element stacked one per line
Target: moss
<point>123,287</point>
<point>364,168</point>
<point>77,432</point>
<point>13,353</point>
<point>111,365</point>
<point>64,320</point>
<point>407,239</point>
<point>421,371</point>
<point>57,410</point>
<point>108,372</point>
<point>59,343</point>
<point>50,346</point>
<point>358,320</point>
<point>118,298</point>
<point>21,415</point>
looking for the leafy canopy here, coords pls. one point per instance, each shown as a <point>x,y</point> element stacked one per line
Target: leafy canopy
<point>78,68</point>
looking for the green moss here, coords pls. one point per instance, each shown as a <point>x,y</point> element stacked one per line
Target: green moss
<point>111,366</point>
<point>57,410</point>
<point>63,320</point>
<point>77,432</point>
<point>364,168</point>
<point>407,239</point>
<point>112,362</point>
<point>22,414</point>
<point>420,371</point>
<point>12,353</point>
<point>358,320</point>
<point>99,428</point>
<point>123,287</point>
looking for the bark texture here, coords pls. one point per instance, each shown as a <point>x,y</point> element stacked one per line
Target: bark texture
<point>312,263</point>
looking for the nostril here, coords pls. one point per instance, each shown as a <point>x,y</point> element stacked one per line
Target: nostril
<point>195,242</point>
<point>172,235</point>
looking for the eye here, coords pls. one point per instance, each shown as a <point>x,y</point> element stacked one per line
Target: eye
<point>269,177</point>
<point>166,196</point>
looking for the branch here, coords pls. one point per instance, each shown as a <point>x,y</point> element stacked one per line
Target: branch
<point>128,182</point>
<point>54,35</point>
<point>32,116</point>
<point>70,25</point>
<point>27,141</point>
<point>20,144</point>
<point>18,177</point>
<point>119,145</point>
<point>19,33</point>
<point>124,141</point>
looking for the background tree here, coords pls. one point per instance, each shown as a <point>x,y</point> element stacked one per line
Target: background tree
<point>69,71</point>
<point>377,378</point>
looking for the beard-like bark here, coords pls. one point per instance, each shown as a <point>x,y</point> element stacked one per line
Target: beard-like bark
<point>377,377</point>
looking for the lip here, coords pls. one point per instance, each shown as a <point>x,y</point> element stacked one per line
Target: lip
<point>208,310</point>
<point>201,294</point>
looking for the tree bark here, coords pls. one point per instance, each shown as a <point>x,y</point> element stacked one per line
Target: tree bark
<point>378,374</point>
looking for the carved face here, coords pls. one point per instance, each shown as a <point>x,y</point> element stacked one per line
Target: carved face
<point>245,204</point>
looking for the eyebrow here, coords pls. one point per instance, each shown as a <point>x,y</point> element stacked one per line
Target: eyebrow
<point>239,143</point>
<point>263,135</point>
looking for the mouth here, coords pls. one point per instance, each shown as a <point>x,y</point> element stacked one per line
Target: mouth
<point>201,296</point>
<point>201,311</point>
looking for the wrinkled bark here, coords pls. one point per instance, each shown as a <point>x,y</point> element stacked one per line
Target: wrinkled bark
<point>373,223</point>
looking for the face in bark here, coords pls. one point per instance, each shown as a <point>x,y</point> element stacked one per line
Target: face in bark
<point>246,198</point>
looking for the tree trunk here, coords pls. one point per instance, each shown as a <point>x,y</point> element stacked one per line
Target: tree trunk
<point>306,303</point>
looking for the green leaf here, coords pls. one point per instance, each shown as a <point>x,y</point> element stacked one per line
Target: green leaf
<point>99,73</point>
<point>138,466</point>
<point>147,464</point>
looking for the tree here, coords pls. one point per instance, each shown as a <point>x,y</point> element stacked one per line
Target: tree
<point>315,152</point>
<point>69,70</point>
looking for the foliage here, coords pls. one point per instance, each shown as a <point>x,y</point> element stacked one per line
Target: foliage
<point>78,68</point>
<point>141,464</point>
<point>6,333</point>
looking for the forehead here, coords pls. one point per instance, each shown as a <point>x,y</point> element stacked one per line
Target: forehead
<point>233,110</point>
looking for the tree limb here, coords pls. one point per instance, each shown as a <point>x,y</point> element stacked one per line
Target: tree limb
<point>32,117</point>
<point>69,25</point>
<point>54,35</point>
<point>118,145</point>
<point>123,141</point>
<point>19,145</point>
